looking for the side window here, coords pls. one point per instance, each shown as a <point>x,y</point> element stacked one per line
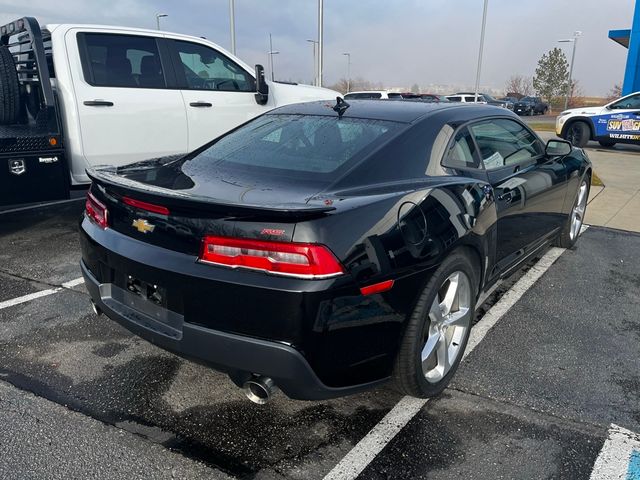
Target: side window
<point>630,102</point>
<point>121,61</point>
<point>207,69</point>
<point>454,99</point>
<point>462,153</point>
<point>504,142</point>
<point>473,99</point>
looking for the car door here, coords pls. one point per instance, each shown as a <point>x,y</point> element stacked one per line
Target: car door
<point>218,93</point>
<point>619,121</point>
<point>529,188</point>
<point>125,110</point>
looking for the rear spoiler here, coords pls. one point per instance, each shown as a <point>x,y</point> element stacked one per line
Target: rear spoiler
<point>108,176</point>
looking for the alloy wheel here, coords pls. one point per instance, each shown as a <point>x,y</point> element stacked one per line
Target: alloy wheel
<point>449,323</point>
<point>574,135</point>
<point>577,214</point>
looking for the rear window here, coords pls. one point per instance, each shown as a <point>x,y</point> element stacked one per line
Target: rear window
<point>363,96</point>
<point>300,145</point>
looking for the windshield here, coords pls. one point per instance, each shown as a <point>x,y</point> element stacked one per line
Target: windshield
<point>488,98</point>
<point>304,146</point>
<point>528,99</point>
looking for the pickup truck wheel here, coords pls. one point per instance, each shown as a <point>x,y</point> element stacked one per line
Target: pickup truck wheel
<point>578,133</point>
<point>9,89</point>
<point>438,329</point>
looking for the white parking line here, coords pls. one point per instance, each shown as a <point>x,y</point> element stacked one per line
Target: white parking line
<point>366,449</point>
<point>619,458</point>
<point>73,283</point>
<point>40,294</point>
<point>28,298</point>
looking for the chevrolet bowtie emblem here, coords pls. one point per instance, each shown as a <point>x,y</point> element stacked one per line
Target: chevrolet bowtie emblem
<point>142,225</point>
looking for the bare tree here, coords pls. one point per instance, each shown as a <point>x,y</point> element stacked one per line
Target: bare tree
<point>615,92</point>
<point>356,84</point>
<point>576,99</point>
<point>520,85</point>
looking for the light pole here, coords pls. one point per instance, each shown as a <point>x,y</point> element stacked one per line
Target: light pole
<point>272,52</point>
<point>315,65</point>
<point>232,25</point>
<point>158,17</point>
<point>348,55</point>
<point>573,40</point>
<point>320,41</point>
<point>484,23</point>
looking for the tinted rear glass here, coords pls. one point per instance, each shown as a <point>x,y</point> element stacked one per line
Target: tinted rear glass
<point>363,96</point>
<point>304,146</point>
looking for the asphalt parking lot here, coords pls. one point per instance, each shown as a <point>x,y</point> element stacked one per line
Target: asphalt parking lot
<point>540,396</point>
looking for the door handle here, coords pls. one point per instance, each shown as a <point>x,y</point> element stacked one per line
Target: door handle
<point>201,104</point>
<point>506,197</point>
<point>98,103</point>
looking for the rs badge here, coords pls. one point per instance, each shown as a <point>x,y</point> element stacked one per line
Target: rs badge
<point>143,226</point>
<point>17,167</point>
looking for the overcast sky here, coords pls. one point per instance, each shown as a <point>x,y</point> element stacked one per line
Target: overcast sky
<point>396,42</point>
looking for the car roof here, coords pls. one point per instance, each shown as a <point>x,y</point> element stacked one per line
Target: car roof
<point>396,111</point>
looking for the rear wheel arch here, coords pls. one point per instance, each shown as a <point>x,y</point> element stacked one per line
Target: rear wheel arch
<point>473,253</point>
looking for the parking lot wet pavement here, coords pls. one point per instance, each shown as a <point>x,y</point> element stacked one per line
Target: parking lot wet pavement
<point>533,400</point>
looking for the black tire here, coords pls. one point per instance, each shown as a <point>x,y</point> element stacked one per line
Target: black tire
<point>578,133</point>
<point>9,89</point>
<point>408,375</point>
<point>607,143</point>
<point>565,239</point>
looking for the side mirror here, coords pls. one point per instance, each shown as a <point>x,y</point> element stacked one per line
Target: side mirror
<point>262,89</point>
<point>557,148</point>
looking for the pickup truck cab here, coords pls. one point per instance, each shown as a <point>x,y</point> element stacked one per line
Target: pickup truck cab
<point>76,96</point>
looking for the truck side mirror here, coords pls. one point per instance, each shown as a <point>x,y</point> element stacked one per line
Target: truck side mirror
<point>262,88</point>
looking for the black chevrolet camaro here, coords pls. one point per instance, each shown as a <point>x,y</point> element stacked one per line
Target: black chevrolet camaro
<point>326,249</point>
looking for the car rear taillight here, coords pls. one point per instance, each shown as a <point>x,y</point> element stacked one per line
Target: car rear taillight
<point>96,211</point>
<point>303,260</point>
<point>149,207</point>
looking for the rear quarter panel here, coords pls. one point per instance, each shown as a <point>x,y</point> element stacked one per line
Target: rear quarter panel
<point>403,237</point>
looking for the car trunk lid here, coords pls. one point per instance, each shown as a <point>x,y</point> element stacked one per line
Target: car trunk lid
<point>177,214</point>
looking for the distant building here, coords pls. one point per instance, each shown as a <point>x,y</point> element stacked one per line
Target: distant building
<point>630,39</point>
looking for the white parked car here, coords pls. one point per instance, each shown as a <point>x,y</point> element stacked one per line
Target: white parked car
<point>466,98</point>
<point>373,95</point>
<point>615,122</point>
<point>75,96</point>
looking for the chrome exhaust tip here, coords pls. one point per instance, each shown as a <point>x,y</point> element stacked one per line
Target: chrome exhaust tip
<point>95,308</point>
<point>259,389</point>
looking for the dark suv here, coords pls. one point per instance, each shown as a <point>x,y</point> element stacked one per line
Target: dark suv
<point>531,106</point>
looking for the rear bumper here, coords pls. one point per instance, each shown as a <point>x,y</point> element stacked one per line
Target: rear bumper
<point>237,355</point>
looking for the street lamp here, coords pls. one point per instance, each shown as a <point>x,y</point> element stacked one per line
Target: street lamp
<point>348,55</point>
<point>484,24</point>
<point>320,41</point>
<point>232,25</point>
<point>315,64</point>
<point>158,17</point>
<point>271,53</point>
<point>573,40</point>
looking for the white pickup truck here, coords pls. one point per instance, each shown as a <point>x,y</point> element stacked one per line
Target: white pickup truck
<point>74,96</point>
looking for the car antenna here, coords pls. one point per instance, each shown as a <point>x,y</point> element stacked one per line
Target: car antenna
<point>340,107</point>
